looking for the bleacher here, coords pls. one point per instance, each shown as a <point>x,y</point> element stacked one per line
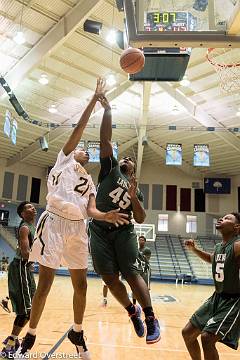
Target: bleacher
<point>170,258</point>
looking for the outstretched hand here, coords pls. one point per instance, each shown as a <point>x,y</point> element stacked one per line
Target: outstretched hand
<point>104,102</point>
<point>100,88</point>
<point>116,218</point>
<point>132,190</point>
<point>190,244</point>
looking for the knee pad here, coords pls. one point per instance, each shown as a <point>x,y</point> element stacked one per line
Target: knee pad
<point>21,320</point>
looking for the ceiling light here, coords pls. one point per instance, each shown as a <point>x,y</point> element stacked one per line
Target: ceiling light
<point>19,38</point>
<point>111,80</point>
<point>185,81</point>
<point>43,79</point>
<point>52,109</point>
<point>238,113</point>
<point>111,37</point>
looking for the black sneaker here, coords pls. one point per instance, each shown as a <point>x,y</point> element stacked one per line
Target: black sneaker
<point>4,305</point>
<point>78,340</point>
<point>27,343</point>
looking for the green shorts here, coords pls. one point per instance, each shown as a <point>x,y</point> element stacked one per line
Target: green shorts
<point>146,277</point>
<point>144,269</point>
<point>220,315</point>
<point>21,286</point>
<point>114,251</point>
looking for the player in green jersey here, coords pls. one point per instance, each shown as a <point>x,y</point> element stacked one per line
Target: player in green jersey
<point>218,319</point>
<point>144,255</point>
<point>21,283</point>
<point>114,249</point>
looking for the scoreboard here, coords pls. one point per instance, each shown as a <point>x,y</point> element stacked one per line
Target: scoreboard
<point>169,21</point>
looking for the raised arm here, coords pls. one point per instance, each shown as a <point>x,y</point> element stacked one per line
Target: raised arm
<point>106,129</point>
<point>76,135</point>
<point>24,242</point>
<point>237,252</point>
<point>190,244</point>
<point>139,213</point>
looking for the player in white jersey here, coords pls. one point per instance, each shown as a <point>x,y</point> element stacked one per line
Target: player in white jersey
<point>61,236</point>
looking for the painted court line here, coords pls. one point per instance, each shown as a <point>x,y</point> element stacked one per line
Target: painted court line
<point>148,348</point>
<point>58,343</point>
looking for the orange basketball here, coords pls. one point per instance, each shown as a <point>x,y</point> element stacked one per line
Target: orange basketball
<point>132,60</point>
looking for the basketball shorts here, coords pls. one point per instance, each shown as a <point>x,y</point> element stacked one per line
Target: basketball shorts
<point>220,315</point>
<point>146,277</point>
<point>21,286</point>
<point>59,241</point>
<point>114,251</point>
<point>144,269</point>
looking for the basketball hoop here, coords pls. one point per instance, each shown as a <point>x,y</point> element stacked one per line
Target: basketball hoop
<point>226,67</point>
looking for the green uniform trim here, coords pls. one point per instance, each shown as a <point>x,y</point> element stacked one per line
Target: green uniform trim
<point>220,315</point>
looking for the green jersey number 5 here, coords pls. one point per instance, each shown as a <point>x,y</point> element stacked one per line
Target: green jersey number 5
<point>219,275</point>
<point>120,197</point>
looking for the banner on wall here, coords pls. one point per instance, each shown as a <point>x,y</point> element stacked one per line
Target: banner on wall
<point>7,123</point>
<point>174,154</point>
<point>93,148</point>
<point>14,132</point>
<point>217,185</point>
<point>201,155</point>
<point>81,144</point>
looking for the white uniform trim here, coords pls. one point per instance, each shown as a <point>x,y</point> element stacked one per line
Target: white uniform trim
<point>225,318</point>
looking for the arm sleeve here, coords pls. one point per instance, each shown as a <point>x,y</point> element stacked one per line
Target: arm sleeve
<point>107,164</point>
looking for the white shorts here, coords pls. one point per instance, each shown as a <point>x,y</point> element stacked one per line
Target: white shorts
<point>60,241</point>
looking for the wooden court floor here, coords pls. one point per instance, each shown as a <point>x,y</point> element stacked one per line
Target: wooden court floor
<point>110,335</point>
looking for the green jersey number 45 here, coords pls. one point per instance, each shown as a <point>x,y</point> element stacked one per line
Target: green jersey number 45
<point>121,197</point>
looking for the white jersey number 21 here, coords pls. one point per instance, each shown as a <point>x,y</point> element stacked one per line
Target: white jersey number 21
<point>82,187</point>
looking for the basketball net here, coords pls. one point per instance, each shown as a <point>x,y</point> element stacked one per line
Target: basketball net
<point>227,68</point>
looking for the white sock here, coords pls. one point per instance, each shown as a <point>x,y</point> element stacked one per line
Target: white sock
<point>32,331</point>
<point>105,298</point>
<point>77,327</point>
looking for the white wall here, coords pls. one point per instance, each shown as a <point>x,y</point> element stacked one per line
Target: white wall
<point>22,168</point>
<point>216,205</point>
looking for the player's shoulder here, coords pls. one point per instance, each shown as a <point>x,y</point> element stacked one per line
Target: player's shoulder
<point>23,228</point>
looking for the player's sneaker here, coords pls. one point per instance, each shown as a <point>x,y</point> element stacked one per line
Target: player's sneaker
<point>10,348</point>
<point>137,321</point>
<point>27,344</point>
<point>4,305</point>
<point>153,330</point>
<point>104,303</point>
<point>78,340</point>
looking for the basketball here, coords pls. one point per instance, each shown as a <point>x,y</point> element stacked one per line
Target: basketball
<point>132,60</point>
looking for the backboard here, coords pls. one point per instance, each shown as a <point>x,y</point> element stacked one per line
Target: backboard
<point>147,230</point>
<point>185,23</point>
